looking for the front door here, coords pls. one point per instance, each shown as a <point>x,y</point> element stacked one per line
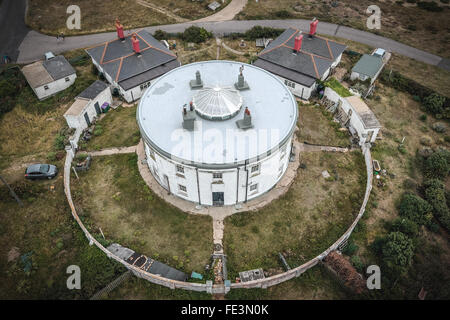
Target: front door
<point>86,117</point>
<point>218,198</point>
<point>97,108</point>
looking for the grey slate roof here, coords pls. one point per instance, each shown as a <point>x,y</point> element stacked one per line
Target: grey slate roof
<point>93,90</point>
<point>368,65</point>
<point>120,62</point>
<point>58,67</point>
<point>285,72</point>
<point>314,59</point>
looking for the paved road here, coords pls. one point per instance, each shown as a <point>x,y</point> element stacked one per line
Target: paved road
<point>228,13</point>
<point>35,44</point>
<point>12,26</point>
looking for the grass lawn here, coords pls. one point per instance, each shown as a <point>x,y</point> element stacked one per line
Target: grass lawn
<point>316,126</point>
<point>112,196</point>
<point>45,227</point>
<point>118,128</point>
<point>398,21</point>
<point>305,221</point>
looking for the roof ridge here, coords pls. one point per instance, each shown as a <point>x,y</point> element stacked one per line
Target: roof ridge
<point>166,52</point>
<point>118,70</point>
<point>315,67</point>
<point>276,47</point>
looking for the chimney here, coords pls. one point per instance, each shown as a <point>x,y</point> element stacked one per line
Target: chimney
<point>119,28</point>
<point>189,117</point>
<point>313,27</point>
<point>197,83</point>
<point>135,42</point>
<point>241,84</point>
<point>245,123</point>
<point>298,43</point>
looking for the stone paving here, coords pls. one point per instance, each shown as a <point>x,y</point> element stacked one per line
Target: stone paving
<point>111,151</point>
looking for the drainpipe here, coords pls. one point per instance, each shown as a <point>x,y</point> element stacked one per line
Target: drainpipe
<point>237,187</point>
<point>198,187</point>
<point>246,184</point>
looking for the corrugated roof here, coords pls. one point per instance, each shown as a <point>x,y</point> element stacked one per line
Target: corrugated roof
<point>119,61</point>
<point>368,65</point>
<point>36,74</point>
<point>314,59</point>
<point>93,90</point>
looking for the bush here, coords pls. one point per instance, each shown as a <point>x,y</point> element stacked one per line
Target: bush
<point>397,250</point>
<point>160,35</point>
<point>439,127</point>
<point>434,103</point>
<point>283,14</point>
<point>423,117</point>
<point>415,209</point>
<point>350,249</point>
<point>196,34</point>
<point>405,226</point>
<point>435,195</point>
<point>262,32</point>
<point>51,156</point>
<point>357,263</point>
<point>436,166</point>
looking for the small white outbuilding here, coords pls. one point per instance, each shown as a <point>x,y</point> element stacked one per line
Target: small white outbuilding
<point>50,76</point>
<point>88,105</point>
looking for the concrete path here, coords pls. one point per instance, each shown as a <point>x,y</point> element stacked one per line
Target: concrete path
<point>312,148</point>
<point>227,13</point>
<point>111,151</point>
<point>35,44</point>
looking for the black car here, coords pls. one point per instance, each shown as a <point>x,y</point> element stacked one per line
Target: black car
<point>41,171</point>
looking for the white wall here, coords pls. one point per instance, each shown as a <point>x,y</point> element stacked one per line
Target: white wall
<point>54,87</point>
<point>268,175</point>
<point>298,90</point>
<point>355,120</point>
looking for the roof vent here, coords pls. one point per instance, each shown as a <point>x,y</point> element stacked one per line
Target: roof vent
<point>197,83</point>
<point>241,84</point>
<point>245,123</point>
<point>188,117</point>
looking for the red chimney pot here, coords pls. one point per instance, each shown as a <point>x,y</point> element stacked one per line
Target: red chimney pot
<point>313,27</point>
<point>135,42</point>
<point>298,43</point>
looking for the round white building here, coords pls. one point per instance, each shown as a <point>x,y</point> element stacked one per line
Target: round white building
<point>217,132</point>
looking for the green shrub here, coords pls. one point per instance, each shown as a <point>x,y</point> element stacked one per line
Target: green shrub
<point>406,226</point>
<point>357,263</point>
<point>262,32</point>
<point>51,156</point>
<point>423,117</point>
<point>429,6</point>
<point>436,196</point>
<point>350,249</point>
<point>397,251</point>
<point>436,166</point>
<point>434,103</point>
<point>160,35</point>
<point>196,34</point>
<point>415,209</point>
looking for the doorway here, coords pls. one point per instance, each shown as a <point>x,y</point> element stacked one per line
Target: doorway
<point>218,198</point>
<point>86,117</point>
<point>97,108</point>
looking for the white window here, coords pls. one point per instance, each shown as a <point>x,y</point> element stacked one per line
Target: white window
<point>255,169</point>
<point>254,187</point>
<point>182,188</point>
<point>289,83</point>
<point>180,169</point>
<point>145,85</point>
<point>217,175</point>
<point>46,87</point>
<point>67,79</point>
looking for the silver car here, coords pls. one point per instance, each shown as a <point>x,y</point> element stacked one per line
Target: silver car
<point>41,171</point>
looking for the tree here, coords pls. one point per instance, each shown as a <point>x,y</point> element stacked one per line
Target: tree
<point>415,209</point>
<point>437,165</point>
<point>196,34</point>
<point>160,35</point>
<point>398,251</point>
<point>406,226</point>
<point>434,103</point>
<point>435,195</point>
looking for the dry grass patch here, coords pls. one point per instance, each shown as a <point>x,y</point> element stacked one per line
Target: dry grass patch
<point>311,216</point>
<point>118,128</point>
<point>316,126</point>
<point>398,21</point>
<point>112,196</point>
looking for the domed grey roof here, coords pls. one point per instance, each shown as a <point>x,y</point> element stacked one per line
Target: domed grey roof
<point>217,103</point>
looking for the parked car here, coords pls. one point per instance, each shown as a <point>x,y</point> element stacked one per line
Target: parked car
<point>41,171</point>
